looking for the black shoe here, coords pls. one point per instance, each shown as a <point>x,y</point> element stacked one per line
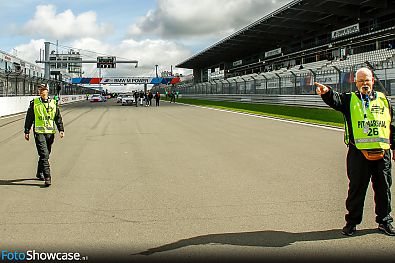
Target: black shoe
<point>47,181</point>
<point>387,228</point>
<point>349,229</point>
<point>40,176</point>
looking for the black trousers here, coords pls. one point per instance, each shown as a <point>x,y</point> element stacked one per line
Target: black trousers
<point>157,102</point>
<point>360,172</point>
<point>44,144</point>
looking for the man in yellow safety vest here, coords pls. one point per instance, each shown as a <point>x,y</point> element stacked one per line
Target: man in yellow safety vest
<point>370,136</point>
<point>44,113</point>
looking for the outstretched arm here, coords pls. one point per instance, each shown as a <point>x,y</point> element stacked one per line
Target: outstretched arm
<point>332,98</point>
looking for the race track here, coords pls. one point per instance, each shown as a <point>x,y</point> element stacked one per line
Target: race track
<point>181,181</point>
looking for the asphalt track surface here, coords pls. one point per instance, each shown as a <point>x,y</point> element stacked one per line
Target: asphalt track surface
<point>179,181</point>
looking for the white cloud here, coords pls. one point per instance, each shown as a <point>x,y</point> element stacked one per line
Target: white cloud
<point>189,22</point>
<point>30,52</point>
<point>204,18</point>
<point>154,52</point>
<point>147,52</point>
<point>65,25</point>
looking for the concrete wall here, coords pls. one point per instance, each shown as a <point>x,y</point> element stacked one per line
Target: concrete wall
<point>14,105</point>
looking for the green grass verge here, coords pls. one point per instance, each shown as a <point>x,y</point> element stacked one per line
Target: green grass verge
<point>311,115</point>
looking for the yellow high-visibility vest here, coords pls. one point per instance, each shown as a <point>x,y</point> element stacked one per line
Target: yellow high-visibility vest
<point>372,132</point>
<point>44,115</point>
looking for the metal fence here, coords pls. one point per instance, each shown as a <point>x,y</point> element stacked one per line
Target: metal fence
<point>291,100</point>
<point>18,84</point>
<point>291,83</point>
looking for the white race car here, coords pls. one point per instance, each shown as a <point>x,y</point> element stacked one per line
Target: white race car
<point>97,98</point>
<point>128,99</point>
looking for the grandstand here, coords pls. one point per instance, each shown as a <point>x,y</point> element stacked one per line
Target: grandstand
<point>301,42</point>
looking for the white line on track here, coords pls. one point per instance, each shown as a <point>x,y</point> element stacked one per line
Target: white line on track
<point>270,118</point>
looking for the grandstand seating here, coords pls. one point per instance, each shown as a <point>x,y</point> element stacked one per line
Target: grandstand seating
<point>325,65</point>
<point>375,56</point>
<point>371,56</point>
<point>313,65</point>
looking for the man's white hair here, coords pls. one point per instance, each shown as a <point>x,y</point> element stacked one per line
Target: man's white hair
<point>365,71</point>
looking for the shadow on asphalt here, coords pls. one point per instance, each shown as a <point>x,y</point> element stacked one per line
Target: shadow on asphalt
<point>19,182</point>
<point>255,239</point>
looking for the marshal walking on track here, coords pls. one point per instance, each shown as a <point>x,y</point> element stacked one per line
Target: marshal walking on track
<point>44,113</point>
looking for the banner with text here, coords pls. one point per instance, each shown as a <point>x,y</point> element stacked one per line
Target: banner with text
<point>130,80</point>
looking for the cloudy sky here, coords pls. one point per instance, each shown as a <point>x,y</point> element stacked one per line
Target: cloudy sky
<point>162,32</point>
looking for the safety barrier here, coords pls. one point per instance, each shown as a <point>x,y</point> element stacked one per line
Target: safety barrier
<point>19,104</point>
<point>291,100</point>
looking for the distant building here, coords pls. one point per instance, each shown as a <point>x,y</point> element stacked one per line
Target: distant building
<point>11,64</point>
<point>18,77</point>
<point>62,65</point>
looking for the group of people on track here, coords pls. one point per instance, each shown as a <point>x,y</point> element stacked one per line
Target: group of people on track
<point>140,97</point>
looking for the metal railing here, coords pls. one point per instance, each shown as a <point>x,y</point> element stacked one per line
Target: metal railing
<point>291,82</point>
<point>291,100</point>
<point>13,83</point>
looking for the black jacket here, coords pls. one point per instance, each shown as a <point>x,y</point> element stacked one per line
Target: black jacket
<point>341,102</point>
<point>30,118</point>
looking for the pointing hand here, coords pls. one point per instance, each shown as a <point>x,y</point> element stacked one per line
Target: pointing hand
<point>321,89</point>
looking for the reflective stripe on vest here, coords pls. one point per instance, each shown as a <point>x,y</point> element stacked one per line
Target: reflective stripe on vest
<point>378,118</point>
<point>44,115</point>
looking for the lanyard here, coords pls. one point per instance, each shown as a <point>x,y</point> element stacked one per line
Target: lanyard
<point>47,108</point>
<point>365,105</point>
<point>365,116</point>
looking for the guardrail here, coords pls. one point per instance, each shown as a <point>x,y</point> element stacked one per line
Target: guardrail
<point>292,100</point>
<point>19,104</point>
